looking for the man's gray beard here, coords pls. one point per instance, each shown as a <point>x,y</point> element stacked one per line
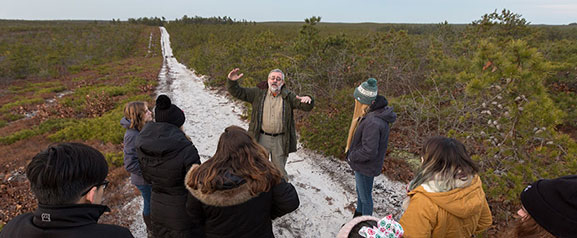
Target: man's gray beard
<point>274,90</point>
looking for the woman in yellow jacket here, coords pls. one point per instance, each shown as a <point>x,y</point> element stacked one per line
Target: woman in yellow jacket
<point>446,197</point>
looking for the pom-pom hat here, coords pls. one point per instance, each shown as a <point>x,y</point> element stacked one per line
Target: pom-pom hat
<point>165,111</point>
<point>366,92</point>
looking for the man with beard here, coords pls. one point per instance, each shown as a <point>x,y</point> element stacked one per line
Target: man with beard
<point>272,123</point>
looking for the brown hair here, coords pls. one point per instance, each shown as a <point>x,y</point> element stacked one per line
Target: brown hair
<point>446,158</point>
<point>134,112</point>
<point>527,227</point>
<point>238,154</point>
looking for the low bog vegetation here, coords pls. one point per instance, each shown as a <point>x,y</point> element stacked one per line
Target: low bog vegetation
<point>109,64</point>
<point>69,81</point>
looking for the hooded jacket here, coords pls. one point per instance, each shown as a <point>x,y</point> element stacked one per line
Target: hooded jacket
<point>460,212</point>
<point>256,97</point>
<point>131,163</point>
<point>232,211</point>
<point>369,144</point>
<point>65,221</point>
<point>165,155</point>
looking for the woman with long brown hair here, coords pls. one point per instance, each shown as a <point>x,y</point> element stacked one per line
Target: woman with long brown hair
<point>237,192</point>
<point>446,197</point>
<point>136,115</point>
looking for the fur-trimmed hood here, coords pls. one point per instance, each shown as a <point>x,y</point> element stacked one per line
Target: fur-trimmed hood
<point>234,192</point>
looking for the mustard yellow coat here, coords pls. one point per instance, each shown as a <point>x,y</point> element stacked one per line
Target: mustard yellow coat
<point>458,213</point>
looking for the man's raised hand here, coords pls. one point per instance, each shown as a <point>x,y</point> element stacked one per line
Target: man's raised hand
<point>234,75</point>
<point>305,99</point>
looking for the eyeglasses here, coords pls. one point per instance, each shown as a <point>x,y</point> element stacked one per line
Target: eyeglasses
<point>103,183</point>
<point>275,78</point>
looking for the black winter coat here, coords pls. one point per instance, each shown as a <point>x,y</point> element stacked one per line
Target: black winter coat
<point>165,155</point>
<point>233,212</point>
<point>67,221</point>
<point>369,144</point>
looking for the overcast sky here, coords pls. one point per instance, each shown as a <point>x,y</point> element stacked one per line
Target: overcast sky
<point>381,11</point>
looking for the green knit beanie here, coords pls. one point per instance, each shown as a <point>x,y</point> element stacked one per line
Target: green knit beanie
<point>367,91</point>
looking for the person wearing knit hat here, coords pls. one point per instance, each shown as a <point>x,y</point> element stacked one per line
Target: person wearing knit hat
<point>549,208</point>
<point>165,111</point>
<point>364,96</point>
<point>166,154</point>
<point>367,91</point>
<point>371,227</point>
<point>368,142</point>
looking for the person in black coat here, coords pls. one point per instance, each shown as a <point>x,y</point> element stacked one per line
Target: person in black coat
<point>238,191</point>
<point>165,154</point>
<point>68,180</point>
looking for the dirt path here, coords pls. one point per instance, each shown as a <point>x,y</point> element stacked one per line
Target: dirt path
<point>325,186</point>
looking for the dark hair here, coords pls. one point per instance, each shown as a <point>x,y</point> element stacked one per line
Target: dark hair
<point>238,154</point>
<point>380,102</point>
<point>59,174</point>
<point>354,233</point>
<point>446,158</point>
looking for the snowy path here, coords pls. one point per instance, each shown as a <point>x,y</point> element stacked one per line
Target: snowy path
<point>325,186</point>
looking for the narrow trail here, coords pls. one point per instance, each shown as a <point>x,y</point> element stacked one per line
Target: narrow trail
<point>325,186</point>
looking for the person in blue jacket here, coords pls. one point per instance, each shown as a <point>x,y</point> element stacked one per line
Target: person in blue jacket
<point>136,115</point>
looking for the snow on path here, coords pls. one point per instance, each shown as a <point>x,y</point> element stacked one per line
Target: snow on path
<point>325,186</point>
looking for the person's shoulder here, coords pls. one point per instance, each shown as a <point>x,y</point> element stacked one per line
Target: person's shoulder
<point>283,186</point>
<point>15,225</point>
<point>131,133</point>
<point>20,218</point>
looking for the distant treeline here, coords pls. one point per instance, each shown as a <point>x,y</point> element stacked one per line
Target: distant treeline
<point>155,21</point>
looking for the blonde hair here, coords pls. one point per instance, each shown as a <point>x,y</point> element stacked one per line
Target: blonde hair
<point>135,112</point>
<point>360,111</point>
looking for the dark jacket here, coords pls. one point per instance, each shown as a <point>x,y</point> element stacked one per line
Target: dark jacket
<point>165,156</point>
<point>232,211</point>
<point>67,221</point>
<point>369,144</point>
<point>256,97</point>
<point>131,163</point>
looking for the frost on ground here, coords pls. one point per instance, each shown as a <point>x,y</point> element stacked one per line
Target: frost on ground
<point>326,186</point>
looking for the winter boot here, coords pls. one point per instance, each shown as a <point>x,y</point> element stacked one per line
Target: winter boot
<point>357,214</point>
<point>147,223</point>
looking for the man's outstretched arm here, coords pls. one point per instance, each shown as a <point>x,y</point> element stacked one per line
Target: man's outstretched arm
<point>234,88</point>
